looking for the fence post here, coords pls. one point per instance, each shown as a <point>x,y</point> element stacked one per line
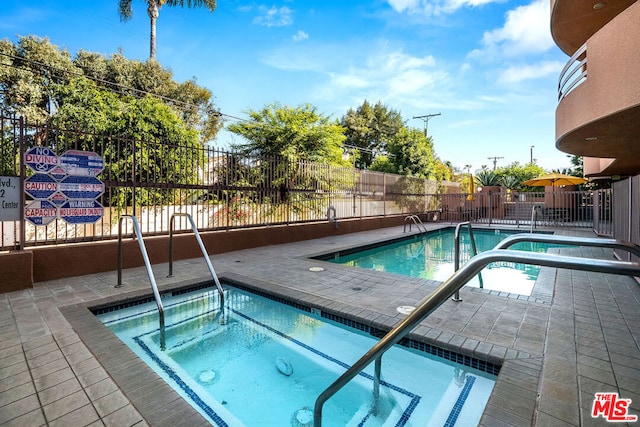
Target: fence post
<point>22,173</point>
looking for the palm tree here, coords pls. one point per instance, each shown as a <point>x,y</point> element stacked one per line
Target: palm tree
<point>125,11</point>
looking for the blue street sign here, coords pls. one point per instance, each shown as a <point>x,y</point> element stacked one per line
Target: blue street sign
<point>81,211</point>
<point>40,212</point>
<point>40,186</point>
<point>82,163</point>
<point>41,159</point>
<point>81,187</point>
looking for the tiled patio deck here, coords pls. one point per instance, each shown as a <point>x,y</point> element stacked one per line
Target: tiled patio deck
<point>59,366</point>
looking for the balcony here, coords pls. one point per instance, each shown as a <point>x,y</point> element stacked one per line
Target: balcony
<point>573,22</point>
<point>599,96</point>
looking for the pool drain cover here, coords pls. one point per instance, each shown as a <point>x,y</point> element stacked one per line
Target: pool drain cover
<point>405,309</point>
<point>302,418</point>
<point>207,376</point>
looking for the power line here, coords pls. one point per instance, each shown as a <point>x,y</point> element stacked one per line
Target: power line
<point>495,161</point>
<point>108,84</point>
<point>426,118</point>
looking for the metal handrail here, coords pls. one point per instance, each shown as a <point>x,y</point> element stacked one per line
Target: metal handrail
<point>147,263</point>
<point>202,248</point>
<point>417,221</point>
<point>456,256</point>
<point>534,215</point>
<point>450,286</point>
<point>571,241</point>
<point>331,215</point>
<point>568,79</point>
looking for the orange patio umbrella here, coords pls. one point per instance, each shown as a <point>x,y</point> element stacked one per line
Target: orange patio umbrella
<point>554,180</point>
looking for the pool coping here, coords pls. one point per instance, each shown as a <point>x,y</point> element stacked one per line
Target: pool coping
<point>160,405</point>
<point>542,291</point>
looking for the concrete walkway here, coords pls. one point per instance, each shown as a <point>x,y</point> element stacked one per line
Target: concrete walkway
<point>579,335</point>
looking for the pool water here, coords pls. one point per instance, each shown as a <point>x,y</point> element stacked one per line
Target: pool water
<point>258,362</point>
<point>431,256</point>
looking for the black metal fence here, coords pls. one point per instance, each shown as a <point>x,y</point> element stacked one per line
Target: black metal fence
<point>153,179</point>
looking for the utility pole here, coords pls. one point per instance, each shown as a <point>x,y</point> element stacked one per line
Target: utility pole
<point>495,160</point>
<point>426,118</point>
<point>531,161</point>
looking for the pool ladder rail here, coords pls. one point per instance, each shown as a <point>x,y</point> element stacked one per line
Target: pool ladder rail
<point>205,254</point>
<point>417,221</point>
<point>147,263</point>
<point>456,256</point>
<point>463,275</point>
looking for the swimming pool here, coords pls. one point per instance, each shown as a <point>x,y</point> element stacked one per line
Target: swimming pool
<point>260,362</point>
<point>431,256</point>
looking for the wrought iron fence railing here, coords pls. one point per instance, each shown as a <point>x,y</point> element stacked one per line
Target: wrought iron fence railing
<point>153,179</point>
<point>220,190</point>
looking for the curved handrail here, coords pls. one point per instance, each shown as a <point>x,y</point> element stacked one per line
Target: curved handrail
<point>332,218</point>
<point>568,80</point>
<point>448,288</point>
<point>572,241</point>
<point>417,221</point>
<point>202,248</point>
<point>456,255</point>
<point>534,216</point>
<point>147,263</point>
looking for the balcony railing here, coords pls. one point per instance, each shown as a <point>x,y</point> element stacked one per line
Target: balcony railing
<point>574,72</point>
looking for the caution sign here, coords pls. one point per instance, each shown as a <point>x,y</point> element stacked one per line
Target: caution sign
<point>40,186</point>
<point>81,211</point>
<point>40,212</point>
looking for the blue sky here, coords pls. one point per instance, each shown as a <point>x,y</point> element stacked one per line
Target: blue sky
<point>489,67</point>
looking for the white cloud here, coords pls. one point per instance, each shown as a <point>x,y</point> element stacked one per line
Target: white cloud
<point>390,75</point>
<point>516,74</point>
<point>435,7</point>
<point>274,17</point>
<point>526,31</point>
<point>300,35</point>
<point>402,5</point>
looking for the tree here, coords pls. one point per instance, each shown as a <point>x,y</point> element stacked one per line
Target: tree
<point>30,71</point>
<point>294,133</point>
<point>33,68</point>
<point>139,138</point>
<point>153,9</point>
<point>519,173</point>
<point>370,128</point>
<point>411,153</point>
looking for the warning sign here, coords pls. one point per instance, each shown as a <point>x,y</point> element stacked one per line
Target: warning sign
<point>81,211</point>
